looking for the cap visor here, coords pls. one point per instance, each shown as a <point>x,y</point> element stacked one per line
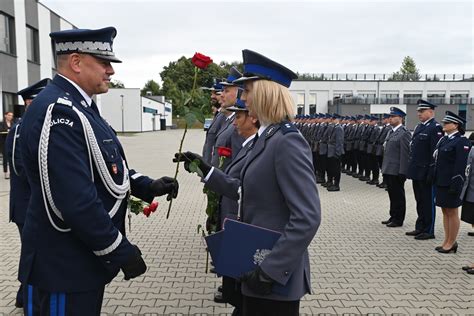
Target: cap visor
<point>243,79</point>
<point>236,109</point>
<point>112,59</point>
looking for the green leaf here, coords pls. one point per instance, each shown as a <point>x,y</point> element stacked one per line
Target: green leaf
<point>190,119</point>
<point>199,115</point>
<point>186,109</point>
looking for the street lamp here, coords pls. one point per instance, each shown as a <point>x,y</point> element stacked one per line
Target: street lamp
<point>121,96</point>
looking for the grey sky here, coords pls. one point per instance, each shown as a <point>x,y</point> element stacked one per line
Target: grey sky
<point>306,36</point>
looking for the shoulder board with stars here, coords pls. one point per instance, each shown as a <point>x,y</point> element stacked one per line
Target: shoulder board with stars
<point>286,127</point>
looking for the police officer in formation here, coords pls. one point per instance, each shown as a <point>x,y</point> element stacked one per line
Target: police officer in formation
<point>449,165</point>
<point>227,136</point>
<point>372,166</point>
<point>425,137</point>
<point>335,152</point>
<point>19,188</point>
<point>379,143</point>
<point>73,238</point>
<point>216,123</point>
<point>395,166</point>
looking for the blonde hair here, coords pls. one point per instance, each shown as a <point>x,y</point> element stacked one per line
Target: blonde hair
<point>272,102</point>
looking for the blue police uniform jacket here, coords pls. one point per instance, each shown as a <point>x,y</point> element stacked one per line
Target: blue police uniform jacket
<point>422,146</point>
<point>86,248</point>
<point>19,186</point>
<point>450,162</point>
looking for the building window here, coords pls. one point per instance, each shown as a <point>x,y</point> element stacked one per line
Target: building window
<point>7,31</point>
<point>149,110</point>
<point>365,98</point>
<point>411,98</point>
<point>462,111</point>
<point>300,103</point>
<point>32,44</point>
<point>312,103</point>
<point>9,101</point>
<point>459,98</point>
<point>389,98</point>
<point>436,98</point>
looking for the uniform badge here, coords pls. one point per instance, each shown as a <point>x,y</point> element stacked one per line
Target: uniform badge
<point>114,168</point>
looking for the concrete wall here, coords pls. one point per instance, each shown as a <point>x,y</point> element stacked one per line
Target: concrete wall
<point>127,120</point>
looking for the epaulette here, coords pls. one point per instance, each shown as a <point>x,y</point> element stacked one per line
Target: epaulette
<point>64,101</point>
<point>287,127</point>
<point>271,131</point>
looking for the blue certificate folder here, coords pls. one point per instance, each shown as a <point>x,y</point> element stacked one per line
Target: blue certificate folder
<point>240,247</point>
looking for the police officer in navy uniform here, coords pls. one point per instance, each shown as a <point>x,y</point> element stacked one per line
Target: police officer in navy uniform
<point>380,146</point>
<point>74,239</point>
<point>335,152</point>
<point>423,143</point>
<point>216,124</point>
<point>19,187</point>
<point>450,160</point>
<point>372,164</point>
<point>395,165</point>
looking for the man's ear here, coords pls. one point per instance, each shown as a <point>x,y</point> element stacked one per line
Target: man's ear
<point>75,62</point>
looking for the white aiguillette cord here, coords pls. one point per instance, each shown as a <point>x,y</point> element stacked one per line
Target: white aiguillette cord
<point>118,191</point>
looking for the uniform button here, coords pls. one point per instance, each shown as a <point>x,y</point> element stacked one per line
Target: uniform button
<point>286,273</point>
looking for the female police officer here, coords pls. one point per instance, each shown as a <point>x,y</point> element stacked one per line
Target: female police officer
<point>278,191</point>
<point>449,166</point>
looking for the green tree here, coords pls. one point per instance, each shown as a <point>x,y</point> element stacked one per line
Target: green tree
<point>116,84</point>
<point>152,86</point>
<point>407,72</point>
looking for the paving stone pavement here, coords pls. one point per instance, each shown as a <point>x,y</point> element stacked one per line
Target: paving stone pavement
<point>358,265</point>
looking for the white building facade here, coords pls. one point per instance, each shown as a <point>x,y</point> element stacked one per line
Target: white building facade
<point>351,96</point>
<point>26,51</point>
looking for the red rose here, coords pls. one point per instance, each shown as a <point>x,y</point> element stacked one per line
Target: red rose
<point>201,61</point>
<point>224,152</point>
<point>146,211</point>
<point>153,206</point>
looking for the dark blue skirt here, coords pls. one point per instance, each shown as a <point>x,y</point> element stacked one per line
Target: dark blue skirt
<point>444,198</point>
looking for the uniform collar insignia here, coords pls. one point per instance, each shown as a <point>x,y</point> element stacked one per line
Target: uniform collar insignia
<point>83,103</point>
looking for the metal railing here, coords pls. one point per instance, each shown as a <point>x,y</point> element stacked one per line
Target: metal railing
<point>384,77</point>
<point>372,100</point>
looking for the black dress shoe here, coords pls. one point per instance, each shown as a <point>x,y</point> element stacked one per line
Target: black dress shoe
<point>219,288</point>
<point>413,233</point>
<point>386,222</point>
<point>18,304</point>
<point>326,184</point>
<point>356,175</point>
<point>382,185</point>
<point>349,173</point>
<point>373,182</point>
<point>470,233</point>
<point>424,236</point>
<point>320,181</point>
<point>333,188</point>
<point>364,178</point>
<point>438,248</point>
<point>393,224</point>
<point>465,268</point>
<point>218,298</point>
<point>470,271</point>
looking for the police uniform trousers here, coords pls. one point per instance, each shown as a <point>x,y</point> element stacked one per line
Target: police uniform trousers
<point>231,293</point>
<point>19,294</point>
<point>373,167</point>
<point>361,161</point>
<point>425,206</point>
<point>354,161</point>
<point>62,304</point>
<point>315,162</point>
<point>380,161</point>
<point>467,213</point>
<point>252,306</point>
<point>334,170</point>
<point>396,193</point>
<point>322,164</point>
<point>444,198</point>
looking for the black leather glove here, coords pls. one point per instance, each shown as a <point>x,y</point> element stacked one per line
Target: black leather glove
<point>135,266</point>
<point>165,185</point>
<point>258,281</point>
<point>188,157</point>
